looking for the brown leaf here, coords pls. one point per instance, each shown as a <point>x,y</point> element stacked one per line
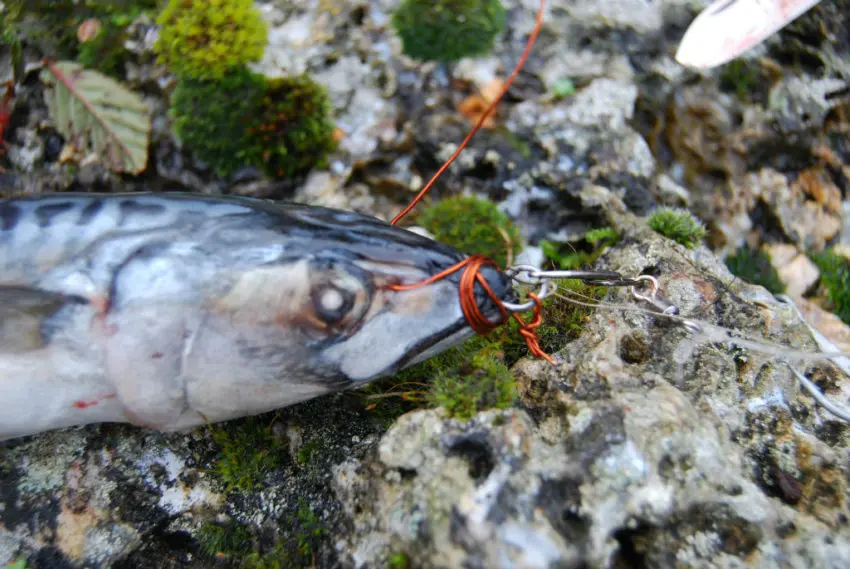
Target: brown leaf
<point>474,106</point>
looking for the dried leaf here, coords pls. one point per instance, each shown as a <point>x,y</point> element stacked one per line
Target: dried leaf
<point>473,106</point>
<point>96,113</point>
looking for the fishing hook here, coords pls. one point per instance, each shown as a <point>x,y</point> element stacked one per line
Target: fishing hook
<point>535,276</point>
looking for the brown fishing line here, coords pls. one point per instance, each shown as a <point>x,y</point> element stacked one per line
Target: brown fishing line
<point>472,265</point>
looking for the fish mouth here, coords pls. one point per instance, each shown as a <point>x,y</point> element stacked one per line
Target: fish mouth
<point>501,286</point>
<point>435,345</point>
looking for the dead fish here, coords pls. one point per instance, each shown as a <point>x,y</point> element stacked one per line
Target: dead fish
<point>168,311</point>
<point>728,28</point>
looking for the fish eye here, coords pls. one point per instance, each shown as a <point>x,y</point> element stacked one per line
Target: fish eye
<point>332,303</point>
<point>339,297</point>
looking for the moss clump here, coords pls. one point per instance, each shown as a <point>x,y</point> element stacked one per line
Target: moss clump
<point>292,131</point>
<point>52,26</point>
<point>835,278</point>
<point>209,117</point>
<point>234,545</point>
<point>744,78</point>
<point>578,255</point>
<point>563,88</point>
<point>229,542</point>
<point>282,126</point>
<point>448,30</point>
<point>309,532</point>
<point>464,380</point>
<point>479,382</point>
<point>564,321</point>
<point>106,51</point>
<point>307,450</point>
<point>207,39</point>
<point>679,225</point>
<point>473,225</point>
<point>398,561</point>
<point>754,266</point>
<point>248,452</point>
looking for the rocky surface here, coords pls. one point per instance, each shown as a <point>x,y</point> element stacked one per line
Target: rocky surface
<point>647,445</point>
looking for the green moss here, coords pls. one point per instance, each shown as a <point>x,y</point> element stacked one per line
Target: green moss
<point>473,225</point>
<point>577,255</point>
<point>231,542</point>
<point>210,117</point>
<point>292,130</point>
<point>236,546</point>
<point>398,561</point>
<point>10,37</point>
<point>248,452</point>
<point>835,278</point>
<point>448,30</point>
<point>479,382</point>
<point>53,26</point>
<point>564,321</point>
<point>742,77</point>
<point>754,266</point>
<point>207,39</point>
<point>309,532</point>
<point>679,225</point>
<point>307,450</point>
<point>296,551</point>
<point>563,88</point>
<point>517,143</point>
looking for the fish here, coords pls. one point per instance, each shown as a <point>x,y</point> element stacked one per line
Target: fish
<point>726,29</point>
<point>170,311</point>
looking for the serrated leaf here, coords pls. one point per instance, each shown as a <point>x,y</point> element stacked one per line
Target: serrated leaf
<point>97,114</point>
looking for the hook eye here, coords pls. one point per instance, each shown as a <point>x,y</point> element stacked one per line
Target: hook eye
<point>652,299</point>
<point>546,289</point>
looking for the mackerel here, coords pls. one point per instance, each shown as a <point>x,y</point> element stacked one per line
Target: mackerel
<point>168,311</point>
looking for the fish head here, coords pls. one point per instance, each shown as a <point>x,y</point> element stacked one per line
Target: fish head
<point>358,326</point>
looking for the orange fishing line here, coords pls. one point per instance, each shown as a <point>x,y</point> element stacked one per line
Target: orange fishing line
<point>472,265</point>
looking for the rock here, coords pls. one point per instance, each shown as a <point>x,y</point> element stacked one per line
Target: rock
<point>801,102</point>
<point>795,269</point>
<point>666,453</point>
<point>28,150</point>
<point>826,323</point>
<point>805,222</point>
<point>605,103</point>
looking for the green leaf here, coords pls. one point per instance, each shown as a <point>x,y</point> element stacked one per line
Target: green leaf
<point>98,114</point>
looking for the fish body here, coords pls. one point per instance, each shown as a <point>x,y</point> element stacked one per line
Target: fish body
<point>728,28</point>
<point>169,310</point>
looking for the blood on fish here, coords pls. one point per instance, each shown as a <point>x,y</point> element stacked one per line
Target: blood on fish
<point>81,404</point>
<point>156,356</point>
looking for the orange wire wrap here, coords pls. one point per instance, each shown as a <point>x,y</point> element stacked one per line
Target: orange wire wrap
<point>472,265</point>
<point>477,320</point>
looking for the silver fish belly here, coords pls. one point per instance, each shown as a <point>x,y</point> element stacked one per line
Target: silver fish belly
<point>169,310</point>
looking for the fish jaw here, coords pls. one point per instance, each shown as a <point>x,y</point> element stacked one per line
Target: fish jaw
<point>728,28</point>
<point>418,324</point>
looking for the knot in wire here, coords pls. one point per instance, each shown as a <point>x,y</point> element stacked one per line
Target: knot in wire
<point>529,330</point>
<point>476,318</point>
